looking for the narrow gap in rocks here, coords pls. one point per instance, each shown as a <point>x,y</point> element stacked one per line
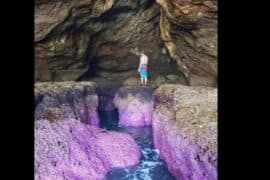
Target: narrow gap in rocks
<point>150,167</point>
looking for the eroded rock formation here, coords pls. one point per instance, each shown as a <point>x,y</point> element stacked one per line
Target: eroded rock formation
<point>64,100</point>
<point>67,143</point>
<point>135,106</point>
<point>189,31</point>
<point>77,37</point>
<point>185,130</point>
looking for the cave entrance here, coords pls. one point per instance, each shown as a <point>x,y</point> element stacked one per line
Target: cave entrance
<point>117,37</point>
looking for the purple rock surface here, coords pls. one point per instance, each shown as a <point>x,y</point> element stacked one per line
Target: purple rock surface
<point>185,130</point>
<point>67,143</point>
<point>73,150</point>
<point>135,106</point>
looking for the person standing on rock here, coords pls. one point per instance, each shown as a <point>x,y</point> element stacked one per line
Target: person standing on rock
<point>143,68</point>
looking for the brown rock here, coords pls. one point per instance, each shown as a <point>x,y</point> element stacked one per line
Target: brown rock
<point>202,81</point>
<point>77,35</point>
<point>160,80</point>
<point>191,36</point>
<point>107,36</point>
<point>132,82</point>
<point>172,77</point>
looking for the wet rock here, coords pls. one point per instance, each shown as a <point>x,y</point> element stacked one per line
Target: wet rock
<point>64,100</point>
<point>185,130</point>
<point>135,106</point>
<point>70,149</point>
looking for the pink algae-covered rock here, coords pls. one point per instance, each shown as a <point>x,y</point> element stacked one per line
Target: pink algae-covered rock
<point>73,150</point>
<point>185,130</point>
<point>135,106</point>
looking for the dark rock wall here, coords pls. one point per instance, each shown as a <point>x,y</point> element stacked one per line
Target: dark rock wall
<point>75,37</point>
<point>79,39</point>
<point>189,31</point>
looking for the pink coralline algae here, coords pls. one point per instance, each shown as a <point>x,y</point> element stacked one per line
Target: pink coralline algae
<point>135,106</point>
<point>185,130</point>
<point>68,146</point>
<point>73,150</point>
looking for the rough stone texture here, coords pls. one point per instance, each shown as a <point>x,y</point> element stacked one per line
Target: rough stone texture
<point>72,150</point>
<point>160,80</point>
<point>185,130</point>
<point>81,39</point>
<point>172,77</point>
<point>189,31</point>
<point>135,106</point>
<point>132,81</point>
<point>106,93</point>
<point>64,100</point>
<point>60,43</point>
<point>77,38</point>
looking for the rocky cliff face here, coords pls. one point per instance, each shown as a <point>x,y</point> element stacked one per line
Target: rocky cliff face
<point>189,31</point>
<point>78,39</point>
<point>96,37</point>
<point>185,130</point>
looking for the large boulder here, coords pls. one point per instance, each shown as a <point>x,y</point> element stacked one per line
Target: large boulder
<point>135,106</point>
<point>185,130</point>
<point>64,100</point>
<point>73,150</point>
<point>189,31</point>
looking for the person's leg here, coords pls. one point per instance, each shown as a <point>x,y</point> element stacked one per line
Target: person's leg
<point>145,80</point>
<point>141,80</point>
